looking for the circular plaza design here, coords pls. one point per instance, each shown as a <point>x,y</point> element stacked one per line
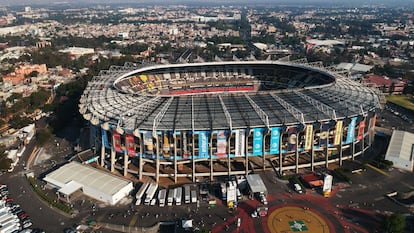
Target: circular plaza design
<point>295,219</point>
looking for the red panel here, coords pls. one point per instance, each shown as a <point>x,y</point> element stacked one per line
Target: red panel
<point>130,145</point>
<point>116,142</point>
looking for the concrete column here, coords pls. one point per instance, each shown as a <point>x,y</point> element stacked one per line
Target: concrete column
<point>280,153</point>
<point>113,160</point>
<point>246,158</point>
<point>175,157</point>
<point>228,155</point>
<point>340,149</point>
<point>157,160</point>
<point>102,155</point>
<point>353,149</point>
<point>312,152</point>
<point>263,150</point>
<point>193,159</point>
<point>211,159</point>
<point>140,162</point>
<point>126,160</point>
<point>362,145</point>
<point>327,149</point>
<point>297,153</point>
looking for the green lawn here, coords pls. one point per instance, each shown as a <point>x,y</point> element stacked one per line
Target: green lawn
<point>406,101</point>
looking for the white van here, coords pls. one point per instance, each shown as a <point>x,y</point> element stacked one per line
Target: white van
<point>298,188</point>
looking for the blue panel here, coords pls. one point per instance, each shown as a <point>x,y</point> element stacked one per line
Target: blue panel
<point>105,139</point>
<point>275,141</point>
<point>351,131</point>
<point>202,144</point>
<point>257,141</point>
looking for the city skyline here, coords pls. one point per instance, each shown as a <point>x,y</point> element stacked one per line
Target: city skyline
<point>199,2</point>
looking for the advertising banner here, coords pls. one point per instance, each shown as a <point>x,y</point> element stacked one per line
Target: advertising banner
<point>185,143</point>
<point>202,144</point>
<point>105,138</point>
<point>308,137</point>
<point>338,133</point>
<point>116,141</point>
<point>324,135</point>
<point>292,137</point>
<point>221,143</point>
<point>130,145</point>
<point>240,142</point>
<point>351,131</point>
<point>148,143</point>
<point>257,141</point>
<point>361,130</point>
<point>166,145</point>
<point>275,141</point>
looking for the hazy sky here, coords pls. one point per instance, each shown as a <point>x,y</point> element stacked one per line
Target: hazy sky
<point>234,2</point>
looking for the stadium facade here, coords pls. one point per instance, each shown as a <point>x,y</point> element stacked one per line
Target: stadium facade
<point>226,118</point>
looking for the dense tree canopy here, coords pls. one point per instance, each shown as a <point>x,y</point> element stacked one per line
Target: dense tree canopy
<point>43,135</point>
<point>394,223</point>
<point>18,122</point>
<point>4,161</point>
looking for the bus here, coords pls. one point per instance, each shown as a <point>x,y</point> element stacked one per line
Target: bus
<point>161,197</point>
<point>193,196</point>
<point>140,193</point>
<point>170,197</point>
<point>187,197</point>
<point>178,193</point>
<point>150,193</point>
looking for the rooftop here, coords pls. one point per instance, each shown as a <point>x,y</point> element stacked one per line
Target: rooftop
<point>73,175</point>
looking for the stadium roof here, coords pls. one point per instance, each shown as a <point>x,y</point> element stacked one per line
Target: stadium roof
<point>74,175</point>
<point>355,67</point>
<point>305,93</point>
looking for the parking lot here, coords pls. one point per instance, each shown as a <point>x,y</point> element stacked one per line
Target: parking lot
<point>367,192</point>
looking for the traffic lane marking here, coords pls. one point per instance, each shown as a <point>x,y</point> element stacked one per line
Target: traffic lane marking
<point>377,170</point>
<point>133,220</point>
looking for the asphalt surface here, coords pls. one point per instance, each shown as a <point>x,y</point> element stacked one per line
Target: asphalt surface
<point>366,193</point>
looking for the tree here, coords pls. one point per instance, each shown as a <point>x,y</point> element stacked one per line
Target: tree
<point>4,161</point>
<point>394,223</point>
<point>33,74</point>
<point>18,122</point>
<point>38,99</point>
<point>392,87</point>
<point>43,135</point>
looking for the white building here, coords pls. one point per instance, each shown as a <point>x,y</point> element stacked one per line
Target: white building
<point>401,150</point>
<point>95,183</point>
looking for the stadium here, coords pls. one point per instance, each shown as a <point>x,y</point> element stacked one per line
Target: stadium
<point>202,120</point>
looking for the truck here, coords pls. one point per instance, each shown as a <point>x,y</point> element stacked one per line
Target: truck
<point>140,193</point>
<point>223,190</point>
<point>231,195</point>
<point>193,196</point>
<point>257,187</point>
<point>327,185</point>
<point>149,195</point>
<point>298,188</point>
<point>170,197</point>
<point>178,193</point>
<point>187,194</point>
<point>161,197</point>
